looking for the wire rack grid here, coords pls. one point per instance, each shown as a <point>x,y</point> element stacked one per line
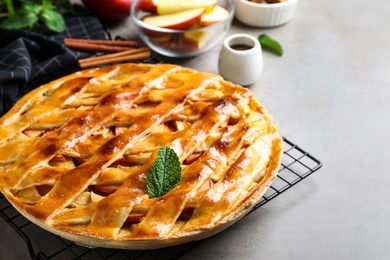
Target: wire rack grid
<point>297,164</point>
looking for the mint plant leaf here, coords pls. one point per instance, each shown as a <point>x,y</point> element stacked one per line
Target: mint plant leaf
<point>267,43</point>
<point>33,14</point>
<point>53,20</point>
<point>19,20</point>
<point>24,18</point>
<point>31,8</point>
<point>164,174</point>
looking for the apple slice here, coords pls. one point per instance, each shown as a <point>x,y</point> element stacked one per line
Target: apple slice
<point>103,190</point>
<point>218,14</point>
<point>32,133</point>
<point>58,158</point>
<point>196,40</point>
<point>162,41</point>
<point>175,6</point>
<point>176,21</point>
<point>149,5</point>
<point>135,217</point>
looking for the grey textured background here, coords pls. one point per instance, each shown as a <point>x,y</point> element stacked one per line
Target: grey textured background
<point>330,94</point>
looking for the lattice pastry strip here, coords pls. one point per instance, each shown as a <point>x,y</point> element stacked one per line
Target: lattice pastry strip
<point>75,154</point>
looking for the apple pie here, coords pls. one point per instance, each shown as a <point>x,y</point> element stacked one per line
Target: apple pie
<point>75,155</point>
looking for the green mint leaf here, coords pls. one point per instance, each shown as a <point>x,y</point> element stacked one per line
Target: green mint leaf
<point>267,43</point>
<point>34,15</point>
<point>53,20</point>
<point>19,20</point>
<point>23,18</point>
<point>31,8</point>
<point>164,174</point>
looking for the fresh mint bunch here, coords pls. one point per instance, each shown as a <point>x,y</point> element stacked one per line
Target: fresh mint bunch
<point>164,174</point>
<point>34,15</point>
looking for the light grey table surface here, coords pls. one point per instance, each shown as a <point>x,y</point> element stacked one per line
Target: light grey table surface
<point>330,94</point>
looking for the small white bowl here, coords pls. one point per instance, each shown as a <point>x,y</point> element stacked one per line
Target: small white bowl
<point>265,15</point>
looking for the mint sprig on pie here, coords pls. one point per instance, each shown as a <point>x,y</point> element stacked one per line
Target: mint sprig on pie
<point>164,174</point>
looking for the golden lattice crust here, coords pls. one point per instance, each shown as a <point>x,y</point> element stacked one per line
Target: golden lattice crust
<point>75,153</point>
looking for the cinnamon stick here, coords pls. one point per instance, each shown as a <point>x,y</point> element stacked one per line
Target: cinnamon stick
<point>95,47</point>
<point>103,42</point>
<point>124,56</point>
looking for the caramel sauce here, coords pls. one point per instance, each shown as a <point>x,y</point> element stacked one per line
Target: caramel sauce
<point>241,47</point>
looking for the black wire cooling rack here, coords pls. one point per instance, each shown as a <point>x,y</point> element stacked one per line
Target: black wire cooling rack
<point>297,164</point>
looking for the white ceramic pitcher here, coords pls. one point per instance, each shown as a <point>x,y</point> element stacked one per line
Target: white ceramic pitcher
<point>241,59</point>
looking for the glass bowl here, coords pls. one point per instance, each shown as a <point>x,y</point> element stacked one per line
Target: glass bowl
<point>181,43</point>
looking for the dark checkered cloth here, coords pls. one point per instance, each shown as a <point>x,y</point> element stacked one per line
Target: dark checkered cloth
<point>28,60</point>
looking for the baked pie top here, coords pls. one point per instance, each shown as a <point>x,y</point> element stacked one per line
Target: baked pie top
<point>75,154</point>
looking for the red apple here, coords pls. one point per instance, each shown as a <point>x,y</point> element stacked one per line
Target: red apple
<point>174,6</point>
<point>218,14</point>
<point>113,10</point>
<point>177,21</point>
<point>148,5</point>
